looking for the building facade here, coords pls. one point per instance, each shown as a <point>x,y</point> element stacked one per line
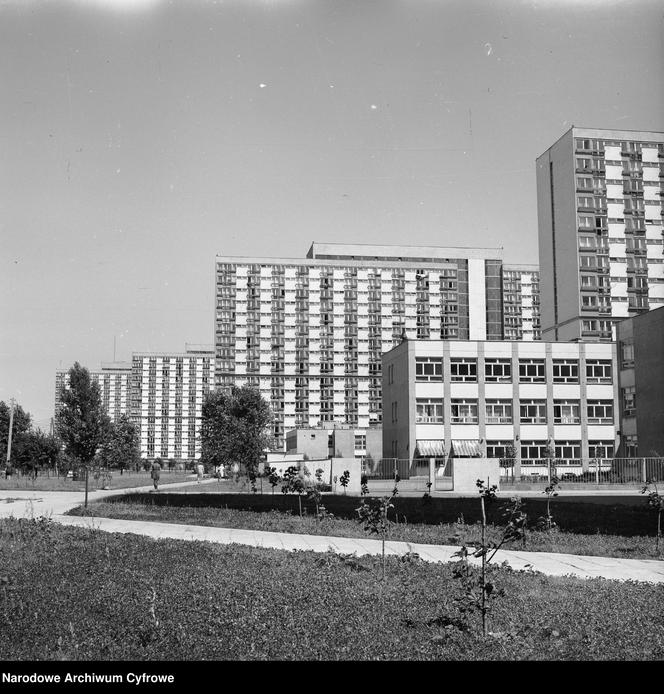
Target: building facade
<point>600,206</point>
<point>166,400</point>
<point>310,332</point>
<point>114,379</point>
<point>521,303</point>
<point>641,360</point>
<point>476,399</point>
<point>339,442</point>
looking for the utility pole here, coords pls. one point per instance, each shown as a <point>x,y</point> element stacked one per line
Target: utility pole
<point>9,437</point>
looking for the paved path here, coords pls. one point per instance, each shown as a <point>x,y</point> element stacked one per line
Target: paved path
<point>54,504</point>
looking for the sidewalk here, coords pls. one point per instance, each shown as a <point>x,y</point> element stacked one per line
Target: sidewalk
<point>35,504</point>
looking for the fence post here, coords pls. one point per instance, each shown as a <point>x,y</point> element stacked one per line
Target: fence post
<point>643,470</point>
<point>548,466</point>
<point>432,473</point>
<point>597,471</point>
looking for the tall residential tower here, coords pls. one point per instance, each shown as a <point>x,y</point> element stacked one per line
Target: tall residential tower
<point>310,332</point>
<point>599,201</point>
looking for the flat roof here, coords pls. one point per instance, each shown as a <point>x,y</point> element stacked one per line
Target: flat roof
<point>368,251</point>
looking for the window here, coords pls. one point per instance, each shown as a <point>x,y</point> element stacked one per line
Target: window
<point>568,450</point>
<point>601,449</point>
<point>498,370</point>
<point>531,371</point>
<point>565,371</point>
<point>600,412</point>
<point>463,369</point>
<point>497,449</point>
<point>532,411</point>
<point>631,446</point>
<point>428,369</point>
<point>360,442</point>
<point>464,412</point>
<point>394,411</point>
<point>532,451</point>
<point>498,411</point>
<point>598,371</point>
<point>627,352</point>
<point>429,411</point>
<point>629,400</point>
<point>566,412</point>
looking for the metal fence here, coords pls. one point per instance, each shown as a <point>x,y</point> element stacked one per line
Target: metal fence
<point>389,468</point>
<point>604,471</point>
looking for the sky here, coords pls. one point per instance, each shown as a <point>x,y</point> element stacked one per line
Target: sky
<point>140,139</point>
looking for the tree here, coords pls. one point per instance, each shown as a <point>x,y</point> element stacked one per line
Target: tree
<point>21,425</point>
<point>81,422</point>
<point>35,450</point>
<point>235,428</point>
<point>120,448</point>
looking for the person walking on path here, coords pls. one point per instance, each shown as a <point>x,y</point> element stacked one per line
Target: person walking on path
<point>156,471</point>
<point>199,472</point>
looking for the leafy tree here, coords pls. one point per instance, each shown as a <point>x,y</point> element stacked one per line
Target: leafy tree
<point>81,422</point>
<point>120,448</point>
<point>21,425</point>
<point>36,451</point>
<point>293,483</point>
<point>272,476</point>
<point>235,428</point>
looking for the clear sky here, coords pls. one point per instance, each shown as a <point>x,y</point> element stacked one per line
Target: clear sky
<point>139,139</point>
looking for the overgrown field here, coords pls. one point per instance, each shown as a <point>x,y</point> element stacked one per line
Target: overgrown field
<point>637,547</point>
<point>75,593</point>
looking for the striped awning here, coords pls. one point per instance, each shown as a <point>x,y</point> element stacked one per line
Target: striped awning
<point>466,449</point>
<point>428,448</point>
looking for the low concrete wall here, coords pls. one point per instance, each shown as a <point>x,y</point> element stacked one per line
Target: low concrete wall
<point>354,467</point>
<point>468,470</point>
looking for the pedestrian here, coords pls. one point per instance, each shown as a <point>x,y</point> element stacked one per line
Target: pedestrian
<point>8,472</point>
<point>155,472</point>
<point>199,472</point>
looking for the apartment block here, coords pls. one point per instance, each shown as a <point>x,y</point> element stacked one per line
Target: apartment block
<point>521,303</point>
<point>114,379</point>
<point>310,332</point>
<point>447,398</point>
<point>600,206</point>
<point>166,400</point>
<point>641,361</point>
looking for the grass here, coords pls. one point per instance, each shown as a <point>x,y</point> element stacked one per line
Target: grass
<point>127,480</point>
<point>637,547</point>
<point>82,594</point>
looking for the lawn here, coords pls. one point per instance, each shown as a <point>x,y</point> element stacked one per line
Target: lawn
<point>82,594</point>
<point>635,547</point>
<point>44,483</point>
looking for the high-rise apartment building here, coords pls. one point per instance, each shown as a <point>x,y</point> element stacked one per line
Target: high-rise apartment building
<point>310,332</point>
<point>166,400</point>
<point>114,379</point>
<point>163,395</point>
<point>599,199</point>
<point>521,302</point>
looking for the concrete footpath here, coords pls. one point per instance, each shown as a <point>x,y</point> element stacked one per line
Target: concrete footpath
<point>33,504</point>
